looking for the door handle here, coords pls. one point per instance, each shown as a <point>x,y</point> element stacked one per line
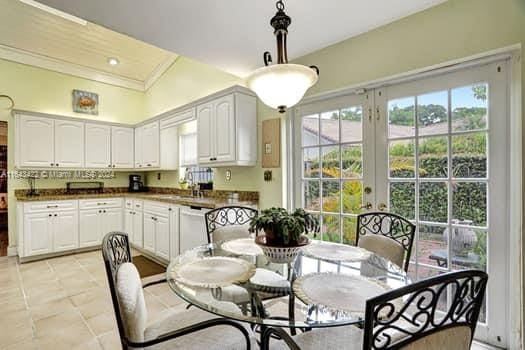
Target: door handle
<point>382,207</point>
<point>367,206</point>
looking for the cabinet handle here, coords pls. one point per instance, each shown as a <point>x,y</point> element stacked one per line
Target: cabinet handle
<point>103,211</point>
<point>52,164</point>
<point>56,164</point>
<point>149,164</point>
<point>140,165</point>
<point>113,165</point>
<point>56,214</point>
<point>50,214</point>
<point>52,206</point>
<point>100,211</point>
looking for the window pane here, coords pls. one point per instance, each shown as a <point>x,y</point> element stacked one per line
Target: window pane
<point>432,113</point>
<point>311,162</point>
<point>331,164</point>
<point>401,159</point>
<point>312,235</point>
<point>403,199</point>
<point>433,199</point>
<point>352,159</point>
<point>352,197</point>
<point>330,127</point>
<point>349,229</point>
<point>469,248</point>
<point>310,132</point>
<point>352,124</point>
<point>330,229</point>
<point>331,196</point>
<point>469,155</point>
<point>469,107</point>
<point>311,195</point>
<point>433,157</point>
<point>469,203</point>
<point>401,117</point>
<point>432,245</point>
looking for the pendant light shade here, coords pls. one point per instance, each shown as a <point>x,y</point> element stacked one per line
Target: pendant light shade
<point>282,85</point>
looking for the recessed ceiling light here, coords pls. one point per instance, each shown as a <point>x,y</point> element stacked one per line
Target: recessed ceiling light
<point>55,12</point>
<point>113,61</point>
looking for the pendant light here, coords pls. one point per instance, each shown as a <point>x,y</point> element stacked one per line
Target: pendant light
<point>282,85</point>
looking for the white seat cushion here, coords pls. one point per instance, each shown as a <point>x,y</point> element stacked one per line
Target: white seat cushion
<point>332,338</point>
<point>383,246</point>
<point>218,337</point>
<point>131,301</point>
<point>228,233</point>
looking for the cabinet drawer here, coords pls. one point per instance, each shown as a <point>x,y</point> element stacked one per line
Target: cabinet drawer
<point>100,203</point>
<point>157,208</point>
<point>36,207</point>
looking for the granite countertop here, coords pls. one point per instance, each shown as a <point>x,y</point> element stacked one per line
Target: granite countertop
<point>211,199</point>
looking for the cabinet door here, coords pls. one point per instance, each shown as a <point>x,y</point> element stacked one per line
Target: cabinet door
<point>69,144</point>
<point>112,220</point>
<point>224,118</point>
<point>138,228</point>
<point>65,230</point>
<point>128,224</point>
<point>38,235</point>
<point>36,137</point>
<point>122,147</point>
<point>174,232</point>
<point>151,145</point>
<point>138,147</point>
<point>205,133</point>
<point>149,233</point>
<point>162,237</point>
<point>90,229</point>
<point>98,146</point>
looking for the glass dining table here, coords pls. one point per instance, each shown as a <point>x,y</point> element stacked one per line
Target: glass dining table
<point>270,298</point>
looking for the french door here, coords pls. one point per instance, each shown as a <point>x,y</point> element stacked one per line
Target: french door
<point>433,150</point>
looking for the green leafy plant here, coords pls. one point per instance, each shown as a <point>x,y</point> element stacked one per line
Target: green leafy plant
<point>282,228</point>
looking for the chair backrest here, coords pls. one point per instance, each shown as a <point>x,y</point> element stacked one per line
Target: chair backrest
<point>221,219</point>
<point>116,251</point>
<point>418,316</point>
<point>391,226</point>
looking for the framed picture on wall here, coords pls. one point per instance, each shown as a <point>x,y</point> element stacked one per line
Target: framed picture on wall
<point>85,102</point>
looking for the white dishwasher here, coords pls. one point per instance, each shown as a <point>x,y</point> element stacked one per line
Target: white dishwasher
<point>192,227</point>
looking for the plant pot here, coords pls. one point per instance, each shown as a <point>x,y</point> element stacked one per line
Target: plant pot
<point>281,254</point>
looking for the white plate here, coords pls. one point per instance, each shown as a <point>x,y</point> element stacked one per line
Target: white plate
<point>335,252</point>
<point>337,291</point>
<point>242,246</point>
<point>213,272</point>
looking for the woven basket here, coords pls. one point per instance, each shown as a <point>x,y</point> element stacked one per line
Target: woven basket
<point>281,255</point>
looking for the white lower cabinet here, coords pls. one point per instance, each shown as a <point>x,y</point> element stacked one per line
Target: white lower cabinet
<point>65,230</point>
<point>162,237</point>
<point>149,232</point>
<point>96,223</point>
<point>138,228</point>
<point>38,234</point>
<point>174,232</point>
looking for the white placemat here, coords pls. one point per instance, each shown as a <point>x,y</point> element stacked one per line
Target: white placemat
<point>242,246</point>
<point>337,291</point>
<point>213,272</point>
<point>336,252</point>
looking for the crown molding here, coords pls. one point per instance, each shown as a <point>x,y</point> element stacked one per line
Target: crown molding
<point>25,57</point>
<point>159,71</point>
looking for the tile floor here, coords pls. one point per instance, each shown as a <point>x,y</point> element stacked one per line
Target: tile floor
<point>64,303</point>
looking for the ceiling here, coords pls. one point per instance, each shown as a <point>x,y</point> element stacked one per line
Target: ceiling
<point>30,35</point>
<point>233,34</point>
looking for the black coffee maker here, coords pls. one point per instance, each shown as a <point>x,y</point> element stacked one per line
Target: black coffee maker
<point>136,184</point>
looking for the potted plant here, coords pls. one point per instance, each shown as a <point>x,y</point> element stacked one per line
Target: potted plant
<point>283,232</point>
<point>183,183</point>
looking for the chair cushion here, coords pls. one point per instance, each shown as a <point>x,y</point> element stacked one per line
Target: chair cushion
<point>131,301</point>
<point>228,233</point>
<point>347,338</point>
<point>383,246</point>
<point>457,338</point>
<point>218,337</point>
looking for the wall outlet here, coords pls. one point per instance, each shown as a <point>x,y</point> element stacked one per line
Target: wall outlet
<point>268,148</point>
<point>268,175</point>
<point>228,175</point>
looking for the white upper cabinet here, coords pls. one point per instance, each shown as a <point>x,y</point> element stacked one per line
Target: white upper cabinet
<point>69,144</point>
<point>169,148</point>
<point>227,131</point>
<point>35,146</point>
<point>150,146</point>
<point>138,147</point>
<point>122,140</point>
<point>98,146</point>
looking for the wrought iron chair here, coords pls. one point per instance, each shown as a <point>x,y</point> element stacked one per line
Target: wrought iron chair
<point>414,317</point>
<point>386,234</point>
<point>117,261</point>
<point>228,223</point>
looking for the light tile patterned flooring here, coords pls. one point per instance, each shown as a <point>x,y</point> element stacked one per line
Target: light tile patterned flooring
<point>64,303</point>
